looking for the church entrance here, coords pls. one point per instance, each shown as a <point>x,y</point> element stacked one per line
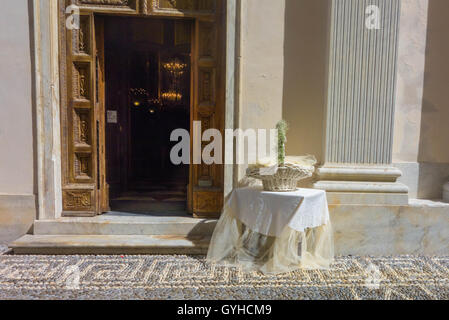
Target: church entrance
<point>130,74</point>
<point>147,64</point>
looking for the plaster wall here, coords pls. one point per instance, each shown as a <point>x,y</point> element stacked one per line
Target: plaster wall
<point>410,80</point>
<point>305,61</point>
<point>16,125</point>
<point>261,62</point>
<point>283,59</point>
<point>17,204</point>
<point>262,66</point>
<point>434,123</point>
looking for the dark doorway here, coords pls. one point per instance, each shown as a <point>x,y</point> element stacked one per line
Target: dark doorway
<point>148,83</point>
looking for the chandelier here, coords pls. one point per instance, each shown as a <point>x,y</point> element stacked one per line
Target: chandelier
<point>174,72</point>
<point>171,87</point>
<point>141,98</point>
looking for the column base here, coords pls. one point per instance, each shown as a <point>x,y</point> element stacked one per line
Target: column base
<point>362,185</point>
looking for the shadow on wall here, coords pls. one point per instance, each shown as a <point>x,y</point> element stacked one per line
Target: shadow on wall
<point>434,148</point>
<point>305,61</point>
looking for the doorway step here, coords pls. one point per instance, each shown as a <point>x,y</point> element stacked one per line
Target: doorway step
<point>118,233</point>
<point>168,202</point>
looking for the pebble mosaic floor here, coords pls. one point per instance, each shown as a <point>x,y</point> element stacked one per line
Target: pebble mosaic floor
<point>186,277</point>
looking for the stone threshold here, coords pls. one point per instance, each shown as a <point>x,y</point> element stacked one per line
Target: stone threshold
<point>109,245</point>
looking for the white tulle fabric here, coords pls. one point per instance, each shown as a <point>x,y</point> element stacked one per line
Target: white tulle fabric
<point>274,232</point>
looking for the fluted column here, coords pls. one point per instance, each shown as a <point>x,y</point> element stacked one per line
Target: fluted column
<point>361,101</point>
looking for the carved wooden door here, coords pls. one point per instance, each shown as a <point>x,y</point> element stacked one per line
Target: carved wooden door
<point>208,106</point>
<point>84,188</point>
<point>100,116</point>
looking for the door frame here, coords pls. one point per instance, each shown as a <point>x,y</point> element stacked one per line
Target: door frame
<point>46,23</point>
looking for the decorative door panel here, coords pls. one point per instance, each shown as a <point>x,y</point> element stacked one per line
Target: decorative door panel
<point>208,107</point>
<point>112,6</point>
<point>192,8</point>
<point>79,189</point>
<point>100,117</point>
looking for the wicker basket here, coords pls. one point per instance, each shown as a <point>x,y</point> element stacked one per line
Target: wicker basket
<point>285,179</point>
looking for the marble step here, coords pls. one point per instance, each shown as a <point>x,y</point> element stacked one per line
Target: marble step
<point>126,224</point>
<point>105,245</point>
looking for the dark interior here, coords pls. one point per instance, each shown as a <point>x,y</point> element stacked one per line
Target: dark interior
<point>147,63</point>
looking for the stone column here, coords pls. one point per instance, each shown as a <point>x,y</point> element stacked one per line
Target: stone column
<point>360,104</point>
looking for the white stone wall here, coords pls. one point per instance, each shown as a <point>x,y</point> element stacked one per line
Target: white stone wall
<point>17,205</point>
<point>422,102</point>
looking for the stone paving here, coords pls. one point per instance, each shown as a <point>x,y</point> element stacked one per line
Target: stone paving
<point>187,277</point>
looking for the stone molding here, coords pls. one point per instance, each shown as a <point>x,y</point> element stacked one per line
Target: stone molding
<point>350,184</point>
<point>359,173</point>
<point>362,186</point>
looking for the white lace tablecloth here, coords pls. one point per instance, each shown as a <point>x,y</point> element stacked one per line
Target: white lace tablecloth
<point>274,232</point>
<point>269,213</point>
